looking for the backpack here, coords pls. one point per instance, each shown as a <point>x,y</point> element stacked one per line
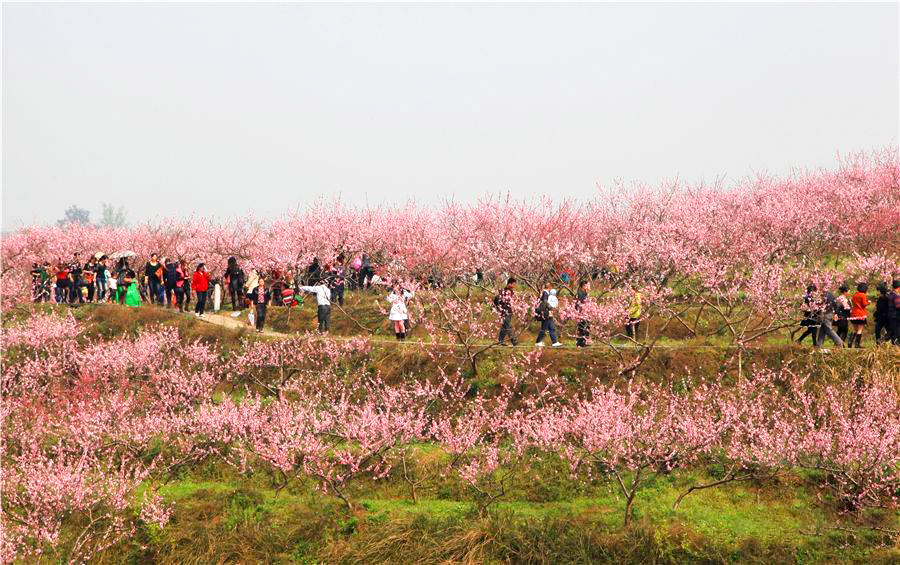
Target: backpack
<point>237,280</point>
<point>171,274</point>
<point>497,301</point>
<point>542,311</point>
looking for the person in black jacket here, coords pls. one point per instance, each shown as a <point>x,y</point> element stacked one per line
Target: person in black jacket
<point>75,279</point>
<point>235,276</point>
<point>881,314</point>
<point>503,305</point>
<point>314,273</point>
<point>170,279</point>
<point>583,329</point>
<point>153,277</point>
<point>260,298</point>
<point>810,316</point>
<point>893,312</point>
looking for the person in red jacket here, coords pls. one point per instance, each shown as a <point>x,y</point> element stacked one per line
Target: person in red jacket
<point>200,284</point>
<point>858,313</point>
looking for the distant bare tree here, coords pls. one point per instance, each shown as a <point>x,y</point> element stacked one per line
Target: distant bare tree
<point>112,217</point>
<point>75,215</point>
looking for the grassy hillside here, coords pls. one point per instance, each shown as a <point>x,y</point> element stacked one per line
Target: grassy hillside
<point>418,514</point>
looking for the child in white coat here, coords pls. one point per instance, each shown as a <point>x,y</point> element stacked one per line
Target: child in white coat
<point>399,314</point>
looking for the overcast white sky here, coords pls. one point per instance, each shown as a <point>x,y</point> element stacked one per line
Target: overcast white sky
<point>221,109</point>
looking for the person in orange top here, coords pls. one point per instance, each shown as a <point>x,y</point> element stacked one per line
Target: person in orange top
<point>858,313</point>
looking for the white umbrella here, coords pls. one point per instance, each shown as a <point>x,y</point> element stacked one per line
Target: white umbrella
<point>120,254</point>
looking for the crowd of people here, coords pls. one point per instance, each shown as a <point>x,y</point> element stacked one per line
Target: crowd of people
<point>843,318</point>
<point>169,282</point>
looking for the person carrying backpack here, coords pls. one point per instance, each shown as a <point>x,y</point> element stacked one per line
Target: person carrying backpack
<point>171,277</point>
<point>503,306</point>
<point>544,313</point>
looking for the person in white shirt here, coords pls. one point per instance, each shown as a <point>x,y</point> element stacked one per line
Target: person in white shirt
<point>399,315</point>
<point>323,299</point>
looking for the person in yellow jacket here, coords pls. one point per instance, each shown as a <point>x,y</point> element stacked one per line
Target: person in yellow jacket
<point>634,316</point>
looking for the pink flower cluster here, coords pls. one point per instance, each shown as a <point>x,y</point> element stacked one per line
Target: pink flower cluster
<point>714,235</point>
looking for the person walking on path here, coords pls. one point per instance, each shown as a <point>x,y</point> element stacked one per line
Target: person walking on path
<point>399,314</point>
<point>89,278</point>
<point>186,288</point>
<point>338,279</point>
<point>127,278</point>
<point>234,280</point>
<point>881,314</point>
<point>843,312</point>
<point>62,283</point>
<point>544,314</point>
<point>503,305</point>
<point>178,282</point>
<point>102,278</point>
<point>200,284</point>
<point>827,315</point>
<point>323,304</point>
<point>583,329</point>
<point>893,310</point>
<point>260,298</point>
<point>153,277</point>
<point>858,315</point>
<point>170,275</point>
<point>810,321</point>
<point>365,272</point>
<point>74,270</point>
